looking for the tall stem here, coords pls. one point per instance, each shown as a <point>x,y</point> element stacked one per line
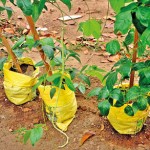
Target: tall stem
<point>134,57</point>
<point>11,53</point>
<point>36,38</point>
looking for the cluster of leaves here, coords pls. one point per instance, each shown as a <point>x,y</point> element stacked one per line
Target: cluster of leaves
<point>34,8</point>
<point>34,134</point>
<point>5,8</point>
<point>137,14</point>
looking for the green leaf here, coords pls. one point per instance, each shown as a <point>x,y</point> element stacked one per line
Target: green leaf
<point>40,80</point>
<point>137,66</point>
<point>125,69</point>
<point>145,38</point>
<point>75,56</point>
<point>116,94</point>
<point>82,88</point>
<point>130,37</point>
<point>47,41</point>
<point>9,11</point>
<point>141,48</point>
<point>111,80</point>
<point>104,93</point>
<point>142,103</point>
<point>52,92</point>
<point>3,1</point>
<point>26,136</point>
<point>48,50</point>
<point>116,5</point>
<point>143,14</point>
<point>104,107</point>
<point>119,104</point>
<point>148,100</point>
<point>30,41</point>
<point>91,27</point>
<point>25,6</point>
<point>113,47</point>
<point>85,79</point>
<point>35,11</point>
<point>69,83</point>
<point>129,110</point>
<point>41,5</point>
<point>2,61</point>
<point>67,3</point>
<point>94,71</point>
<point>135,107</point>
<point>133,93</point>
<point>36,134</point>
<point>53,77</point>
<point>123,22</point>
<point>83,68</point>
<point>19,42</point>
<point>94,92</point>
<point>38,64</point>
<point>18,52</point>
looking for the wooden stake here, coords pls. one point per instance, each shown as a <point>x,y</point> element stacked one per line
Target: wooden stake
<point>36,38</point>
<point>134,56</point>
<point>11,53</point>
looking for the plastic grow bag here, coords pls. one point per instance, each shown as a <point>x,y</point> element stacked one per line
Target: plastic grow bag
<point>63,107</point>
<point>123,123</point>
<point>18,87</point>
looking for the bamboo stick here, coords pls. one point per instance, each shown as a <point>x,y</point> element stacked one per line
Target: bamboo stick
<point>134,56</point>
<point>11,53</point>
<point>36,38</point>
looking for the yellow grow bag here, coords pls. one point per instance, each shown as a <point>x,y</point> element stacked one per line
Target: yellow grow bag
<point>18,87</point>
<point>64,110</point>
<point>123,123</point>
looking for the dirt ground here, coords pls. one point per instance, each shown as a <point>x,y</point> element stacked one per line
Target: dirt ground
<point>87,118</point>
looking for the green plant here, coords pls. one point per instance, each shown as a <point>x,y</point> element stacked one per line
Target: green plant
<point>132,20</point>
<point>34,134</point>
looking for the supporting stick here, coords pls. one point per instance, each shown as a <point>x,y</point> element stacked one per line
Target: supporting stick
<point>134,57</point>
<point>11,53</point>
<point>36,38</point>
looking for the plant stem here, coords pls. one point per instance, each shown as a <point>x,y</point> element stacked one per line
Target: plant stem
<point>37,38</point>
<point>11,53</point>
<point>134,57</point>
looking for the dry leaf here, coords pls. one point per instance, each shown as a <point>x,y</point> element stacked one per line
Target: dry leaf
<point>86,136</point>
<point>102,127</point>
<point>78,10</point>
<point>111,35</point>
<point>9,30</point>
<point>26,109</point>
<point>71,22</point>
<point>114,58</point>
<point>104,61</point>
<point>109,18</point>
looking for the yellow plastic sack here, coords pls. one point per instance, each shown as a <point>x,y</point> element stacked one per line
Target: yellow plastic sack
<point>64,110</point>
<point>123,123</point>
<point>18,87</point>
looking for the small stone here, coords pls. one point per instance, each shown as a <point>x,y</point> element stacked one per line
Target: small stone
<point>86,52</point>
<point>36,121</point>
<point>10,130</point>
<point>84,108</point>
<point>20,17</point>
